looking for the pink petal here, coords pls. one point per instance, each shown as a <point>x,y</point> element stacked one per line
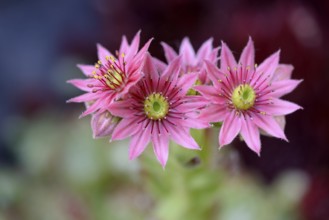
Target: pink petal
<point>227,58</point>
<point>139,142</point>
<point>230,129</point>
<point>194,123</point>
<point>269,125</point>
<point>214,73</point>
<point>187,52</point>
<point>161,66</point>
<point>269,65</point>
<point>136,63</point>
<point>134,46</point>
<point>250,134</point>
<point>247,57</point>
<point>172,71</point>
<point>210,93</point>
<point>102,53</point>
<point>169,52</point>
<point>279,107</point>
<point>102,124</point>
<point>121,108</point>
<point>127,127</point>
<point>205,50</point>
<point>182,137</point>
<point>124,45</point>
<point>161,147</point>
<point>83,84</point>
<point>85,97</point>
<point>282,72</point>
<point>191,103</point>
<point>86,69</point>
<point>213,113</point>
<point>284,87</point>
<point>150,70</point>
<point>186,81</point>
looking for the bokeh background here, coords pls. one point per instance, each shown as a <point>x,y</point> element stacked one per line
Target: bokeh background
<point>51,168</point>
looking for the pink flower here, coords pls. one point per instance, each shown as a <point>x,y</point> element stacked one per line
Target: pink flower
<point>246,97</point>
<point>157,109</point>
<point>111,77</point>
<point>192,61</point>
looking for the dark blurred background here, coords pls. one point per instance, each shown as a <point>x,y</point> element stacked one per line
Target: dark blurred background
<point>42,40</point>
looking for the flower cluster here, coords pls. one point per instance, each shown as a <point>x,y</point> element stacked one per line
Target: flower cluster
<point>133,94</point>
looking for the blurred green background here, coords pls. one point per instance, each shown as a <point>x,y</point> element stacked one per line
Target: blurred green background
<point>51,168</point>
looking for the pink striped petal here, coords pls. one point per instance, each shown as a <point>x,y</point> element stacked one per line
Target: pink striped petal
<point>161,66</point>
<point>85,97</point>
<point>139,142</point>
<point>213,113</point>
<point>151,70</point>
<point>169,52</point>
<point>282,72</point>
<point>230,129</point>
<point>135,64</point>
<point>92,108</point>
<point>124,47</point>
<point>194,123</point>
<point>127,127</point>
<point>269,65</point>
<point>182,137</point>
<point>214,73</point>
<point>186,81</point>
<point>86,69</point>
<point>133,48</point>
<point>210,93</point>
<point>102,124</point>
<point>102,53</point>
<point>83,84</point>
<point>121,108</point>
<point>269,125</point>
<point>187,52</point>
<point>279,107</point>
<point>226,58</point>
<point>247,57</point>
<point>172,71</point>
<point>284,87</point>
<point>205,50</point>
<point>250,135</point>
<point>161,147</point>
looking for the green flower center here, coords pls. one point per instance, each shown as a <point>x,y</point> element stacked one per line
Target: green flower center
<point>243,97</point>
<point>156,106</point>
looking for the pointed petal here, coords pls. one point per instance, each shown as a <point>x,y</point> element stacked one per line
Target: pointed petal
<point>169,52</point>
<point>161,147</point>
<point>186,81</point>
<point>161,66</point>
<point>172,71</point>
<point>210,93</point>
<point>284,87</point>
<point>150,70</point>
<point>194,123</point>
<point>121,108</point>
<point>124,45</point>
<point>187,52</point>
<point>135,64</point>
<point>230,129</point>
<point>247,57</point>
<point>134,46</point>
<point>84,97</point>
<point>269,125</point>
<point>127,127</point>
<point>83,84</point>
<point>86,69</point>
<point>182,137</point>
<point>102,53</point>
<point>213,113</point>
<point>205,50</point>
<point>279,107</point>
<point>226,58</point>
<point>139,142</point>
<point>102,124</point>
<point>214,73</point>
<point>269,65</point>
<point>250,134</point>
<point>282,72</point>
